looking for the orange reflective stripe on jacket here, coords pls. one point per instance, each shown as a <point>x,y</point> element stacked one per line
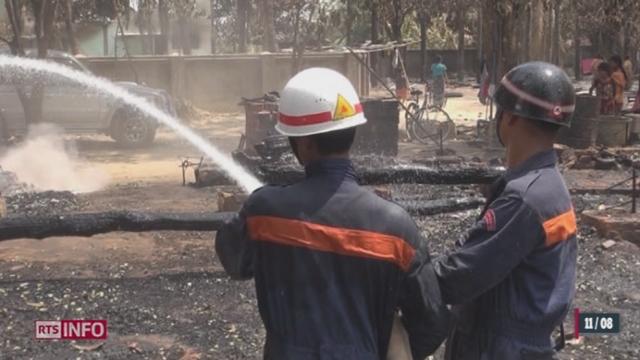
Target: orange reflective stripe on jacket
<point>560,228</point>
<point>341,241</point>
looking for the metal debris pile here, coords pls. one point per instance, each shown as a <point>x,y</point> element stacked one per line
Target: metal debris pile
<point>599,159</point>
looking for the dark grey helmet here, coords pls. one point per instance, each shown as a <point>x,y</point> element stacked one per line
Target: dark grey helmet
<point>537,91</point>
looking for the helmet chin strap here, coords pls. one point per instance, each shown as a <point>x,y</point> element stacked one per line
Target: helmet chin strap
<point>498,122</point>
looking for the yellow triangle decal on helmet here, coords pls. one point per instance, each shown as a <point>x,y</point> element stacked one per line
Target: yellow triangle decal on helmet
<point>343,109</point>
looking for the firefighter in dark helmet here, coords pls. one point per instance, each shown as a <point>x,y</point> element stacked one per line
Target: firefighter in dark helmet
<point>511,281</point>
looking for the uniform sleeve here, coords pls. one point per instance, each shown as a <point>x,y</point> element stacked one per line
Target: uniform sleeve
<point>424,314</point>
<point>509,231</point>
<point>234,248</point>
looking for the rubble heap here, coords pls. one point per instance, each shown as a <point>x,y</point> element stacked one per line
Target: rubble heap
<point>42,203</point>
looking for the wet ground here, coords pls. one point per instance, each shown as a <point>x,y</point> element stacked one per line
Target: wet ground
<point>165,295</point>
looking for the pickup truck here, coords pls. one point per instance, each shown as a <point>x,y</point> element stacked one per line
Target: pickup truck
<point>81,110</point>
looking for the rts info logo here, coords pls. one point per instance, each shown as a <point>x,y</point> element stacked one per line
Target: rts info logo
<point>71,330</point>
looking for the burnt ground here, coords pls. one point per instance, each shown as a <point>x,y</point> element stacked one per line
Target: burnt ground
<point>165,295</point>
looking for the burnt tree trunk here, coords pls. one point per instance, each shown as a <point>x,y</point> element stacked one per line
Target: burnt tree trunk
<point>379,174</point>
<point>88,224</point>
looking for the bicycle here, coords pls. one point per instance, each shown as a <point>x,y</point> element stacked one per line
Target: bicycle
<point>428,121</point>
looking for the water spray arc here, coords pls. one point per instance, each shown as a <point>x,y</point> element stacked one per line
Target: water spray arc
<point>243,178</point>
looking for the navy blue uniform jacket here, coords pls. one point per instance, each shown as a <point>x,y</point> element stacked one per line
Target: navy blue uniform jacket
<point>512,278</point>
<point>332,262</point>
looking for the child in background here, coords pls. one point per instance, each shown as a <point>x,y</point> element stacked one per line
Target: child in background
<point>620,79</point>
<point>439,76</point>
<point>604,87</point>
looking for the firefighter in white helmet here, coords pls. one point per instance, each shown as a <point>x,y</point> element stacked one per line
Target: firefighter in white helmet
<point>332,261</point>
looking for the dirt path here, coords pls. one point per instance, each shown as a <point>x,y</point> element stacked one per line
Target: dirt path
<point>159,162</point>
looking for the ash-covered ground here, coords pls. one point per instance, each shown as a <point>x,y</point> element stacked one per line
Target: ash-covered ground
<point>167,297</point>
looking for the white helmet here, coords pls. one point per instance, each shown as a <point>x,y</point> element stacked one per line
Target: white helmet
<point>316,101</point>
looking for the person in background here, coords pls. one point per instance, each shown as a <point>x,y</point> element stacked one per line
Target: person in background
<point>628,69</point>
<point>636,103</point>
<point>597,60</point>
<point>604,87</point>
<point>620,79</point>
<point>439,80</point>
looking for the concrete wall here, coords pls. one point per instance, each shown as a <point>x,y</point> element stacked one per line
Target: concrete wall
<point>412,62</point>
<point>450,58</point>
<point>218,82</point>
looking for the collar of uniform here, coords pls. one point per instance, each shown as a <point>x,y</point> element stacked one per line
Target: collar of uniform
<point>543,159</point>
<point>331,167</point>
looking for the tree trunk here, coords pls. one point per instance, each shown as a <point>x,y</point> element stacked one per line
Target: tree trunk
<point>548,32</point>
<point>269,33</point>
<point>163,20</point>
<point>14,13</point>
<point>297,48</point>
<point>241,25</point>
<point>526,40</point>
<point>576,42</point>
<point>537,30</point>
<point>184,30</point>
<point>44,16</point>
<point>374,33</point>
<point>461,23</point>
<point>556,33</point>
<point>423,46</point>
<point>68,24</point>
<point>348,23</point>
<point>396,26</point>
<point>375,22</point>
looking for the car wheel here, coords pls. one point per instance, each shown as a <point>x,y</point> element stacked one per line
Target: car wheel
<point>131,129</point>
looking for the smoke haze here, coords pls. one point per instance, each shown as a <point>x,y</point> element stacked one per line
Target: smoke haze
<point>44,161</point>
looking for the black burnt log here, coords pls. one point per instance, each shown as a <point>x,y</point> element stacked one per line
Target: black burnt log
<point>88,224</point>
<point>396,174</point>
<point>279,174</point>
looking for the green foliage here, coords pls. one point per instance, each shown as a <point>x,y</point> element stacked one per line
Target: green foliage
<point>440,35</point>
